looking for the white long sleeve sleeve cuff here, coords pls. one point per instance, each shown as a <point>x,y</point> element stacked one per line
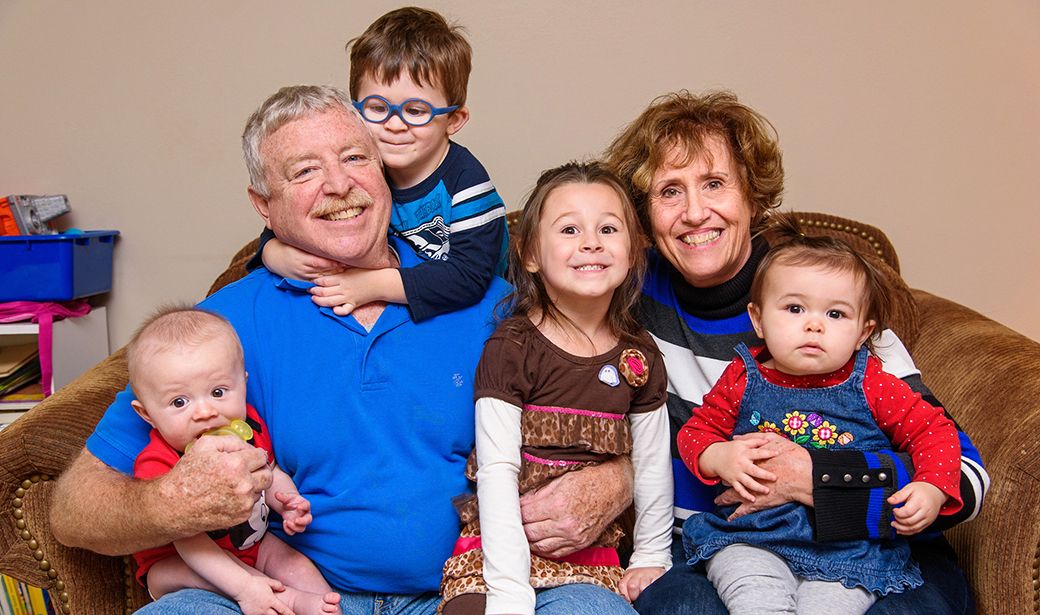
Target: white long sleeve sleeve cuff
<point>653,493</point>
<point>507,554</point>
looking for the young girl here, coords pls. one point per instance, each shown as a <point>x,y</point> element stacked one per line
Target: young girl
<point>568,381</point>
<point>816,302</point>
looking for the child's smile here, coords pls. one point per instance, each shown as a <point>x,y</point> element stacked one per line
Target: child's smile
<point>583,245</point>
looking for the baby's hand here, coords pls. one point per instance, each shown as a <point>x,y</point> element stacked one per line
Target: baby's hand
<point>921,502</point>
<point>290,262</point>
<point>635,580</point>
<point>296,512</point>
<point>258,596</point>
<point>735,463</point>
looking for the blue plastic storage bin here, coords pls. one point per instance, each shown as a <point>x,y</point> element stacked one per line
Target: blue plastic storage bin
<point>55,267</point>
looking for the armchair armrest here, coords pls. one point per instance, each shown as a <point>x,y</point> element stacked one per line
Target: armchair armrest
<point>35,448</point>
<point>988,376</point>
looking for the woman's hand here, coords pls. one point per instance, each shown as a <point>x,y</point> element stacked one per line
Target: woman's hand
<point>793,469</point>
<point>570,512</point>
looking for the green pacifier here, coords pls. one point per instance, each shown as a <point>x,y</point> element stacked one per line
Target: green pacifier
<point>236,427</point>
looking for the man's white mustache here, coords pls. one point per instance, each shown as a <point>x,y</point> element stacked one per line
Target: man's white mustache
<point>355,198</point>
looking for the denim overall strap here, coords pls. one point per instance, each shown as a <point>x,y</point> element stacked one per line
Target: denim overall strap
<point>750,364</point>
<point>859,370</point>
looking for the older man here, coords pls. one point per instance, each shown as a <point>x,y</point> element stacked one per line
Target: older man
<point>371,414</point>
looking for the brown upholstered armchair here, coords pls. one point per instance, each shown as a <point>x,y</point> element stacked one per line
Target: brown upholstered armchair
<point>986,374</point>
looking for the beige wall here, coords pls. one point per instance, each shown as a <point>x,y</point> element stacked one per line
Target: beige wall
<point>919,117</point>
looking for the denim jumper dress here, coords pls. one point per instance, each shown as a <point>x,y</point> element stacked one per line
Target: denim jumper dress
<point>835,417</point>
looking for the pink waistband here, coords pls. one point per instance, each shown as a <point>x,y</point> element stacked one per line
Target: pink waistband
<point>589,556</point>
<point>562,410</point>
<point>555,463</point>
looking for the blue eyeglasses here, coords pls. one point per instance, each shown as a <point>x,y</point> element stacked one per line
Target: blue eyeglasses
<point>414,111</point>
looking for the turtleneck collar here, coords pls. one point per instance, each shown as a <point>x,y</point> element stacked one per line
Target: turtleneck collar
<point>725,300</point>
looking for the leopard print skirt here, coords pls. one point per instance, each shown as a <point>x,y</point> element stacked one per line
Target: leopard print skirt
<point>463,572</point>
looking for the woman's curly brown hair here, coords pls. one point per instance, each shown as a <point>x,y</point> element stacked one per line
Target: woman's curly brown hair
<point>684,121</point>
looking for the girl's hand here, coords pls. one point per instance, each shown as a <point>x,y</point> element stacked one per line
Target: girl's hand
<point>296,512</point>
<point>635,580</point>
<point>735,462</point>
<point>290,262</point>
<point>921,503</point>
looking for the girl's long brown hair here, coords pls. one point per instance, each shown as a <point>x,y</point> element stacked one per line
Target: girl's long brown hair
<point>529,295</point>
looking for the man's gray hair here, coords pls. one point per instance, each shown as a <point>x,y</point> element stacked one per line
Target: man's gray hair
<point>287,104</point>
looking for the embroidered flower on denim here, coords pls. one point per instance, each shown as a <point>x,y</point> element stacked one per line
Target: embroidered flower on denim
<point>794,423</point>
<point>825,434</point>
<point>771,427</point>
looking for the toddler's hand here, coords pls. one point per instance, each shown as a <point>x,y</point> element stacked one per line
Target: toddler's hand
<point>735,462</point>
<point>635,580</point>
<point>340,291</point>
<point>337,291</point>
<point>921,502</point>
<point>296,512</point>
<point>290,262</point>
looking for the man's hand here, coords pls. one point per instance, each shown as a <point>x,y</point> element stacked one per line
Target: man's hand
<point>735,462</point>
<point>295,512</point>
<point>635,580</point>
<point>290,262</point>
<point>215,484</point>
<point>921,503</point>
<point>570,512</point>
<point>793,469</point>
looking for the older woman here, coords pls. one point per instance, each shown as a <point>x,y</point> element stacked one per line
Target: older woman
<point>704,171</point>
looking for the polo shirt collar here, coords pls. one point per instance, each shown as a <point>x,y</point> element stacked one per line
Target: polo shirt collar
<point>394,314</point>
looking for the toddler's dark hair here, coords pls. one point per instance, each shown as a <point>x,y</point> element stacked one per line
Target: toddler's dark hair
<point>789,245</point>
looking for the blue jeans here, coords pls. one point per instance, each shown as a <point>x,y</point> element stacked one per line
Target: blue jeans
<point>192,601</point>
<point>566,600</point>
<point>685,590</point>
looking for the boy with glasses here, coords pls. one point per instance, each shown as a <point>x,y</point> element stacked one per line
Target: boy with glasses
<point>408,76</point>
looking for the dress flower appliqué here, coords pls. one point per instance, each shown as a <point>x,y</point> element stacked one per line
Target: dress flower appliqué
<point>633,367</point>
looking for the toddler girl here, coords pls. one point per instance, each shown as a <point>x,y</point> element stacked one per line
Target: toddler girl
<point>816,302</point>
<point>569,380</point>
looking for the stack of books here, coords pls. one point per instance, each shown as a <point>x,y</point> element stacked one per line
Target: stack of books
<point>17,598</point>
<point>19,380</point>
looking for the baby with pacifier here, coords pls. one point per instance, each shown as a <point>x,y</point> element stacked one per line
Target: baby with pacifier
<point>187,372</point>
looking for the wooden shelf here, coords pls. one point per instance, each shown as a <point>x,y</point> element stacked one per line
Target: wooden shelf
<point>77,345</point>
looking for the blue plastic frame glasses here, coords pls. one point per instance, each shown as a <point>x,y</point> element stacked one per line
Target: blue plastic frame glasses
<point>380,117</point>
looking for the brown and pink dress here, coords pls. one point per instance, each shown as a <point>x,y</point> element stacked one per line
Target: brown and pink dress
<point>542,412</point>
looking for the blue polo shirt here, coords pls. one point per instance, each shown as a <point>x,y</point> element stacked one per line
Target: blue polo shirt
<point>374,426</point>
